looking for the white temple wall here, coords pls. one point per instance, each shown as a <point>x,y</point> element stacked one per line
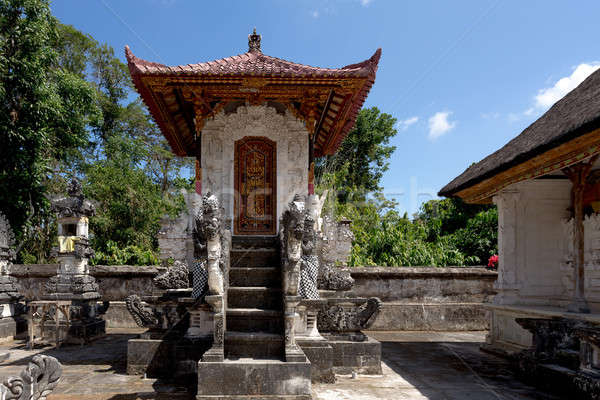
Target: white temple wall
<point>536,276</point>
<point>532,242</point>
<point>218,138</point>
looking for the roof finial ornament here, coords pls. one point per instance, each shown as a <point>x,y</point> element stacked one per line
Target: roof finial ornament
<point>254,42</point>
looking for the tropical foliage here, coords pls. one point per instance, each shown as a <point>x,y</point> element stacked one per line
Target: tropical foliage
<point>443,233</point>
<point>68,109</point>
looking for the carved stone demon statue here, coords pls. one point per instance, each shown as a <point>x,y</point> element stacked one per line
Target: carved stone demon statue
<point>208,248</point>
<point>291,234</point>
<point>309,271</point>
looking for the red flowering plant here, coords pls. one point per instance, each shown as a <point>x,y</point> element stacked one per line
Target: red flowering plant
<point>493,262</point>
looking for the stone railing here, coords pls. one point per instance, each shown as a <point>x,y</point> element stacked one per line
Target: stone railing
<point>414,298</point>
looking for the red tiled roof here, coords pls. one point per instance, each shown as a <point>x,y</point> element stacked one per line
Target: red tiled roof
<point>253,63</point>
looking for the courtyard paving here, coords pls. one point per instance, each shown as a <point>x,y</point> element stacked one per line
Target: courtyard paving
<point>416,365</point>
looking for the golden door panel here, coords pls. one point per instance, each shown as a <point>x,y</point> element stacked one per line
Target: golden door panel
<point>255,195</point>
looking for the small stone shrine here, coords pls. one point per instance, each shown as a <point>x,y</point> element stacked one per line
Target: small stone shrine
<point>248,325</point>
<point>73,281</point>
<point>10,308</point>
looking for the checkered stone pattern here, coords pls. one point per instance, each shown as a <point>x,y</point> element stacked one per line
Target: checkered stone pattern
<point>200,278</point>
<point>308,278</point>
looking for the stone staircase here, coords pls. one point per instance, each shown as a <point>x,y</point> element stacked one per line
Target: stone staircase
<point>254,366</point>
<point>255,310</point>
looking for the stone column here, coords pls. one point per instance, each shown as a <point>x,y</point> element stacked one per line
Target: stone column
<point>9,295</point>
<point>217,352</point>
<point>507,284</point>
<point>293,353</point>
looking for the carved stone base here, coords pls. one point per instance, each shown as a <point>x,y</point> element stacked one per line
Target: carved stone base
<point>79,332</point>
<point>320,354</point>
<point>214,354</point>
<point>355,353</point>
<point>8,328</point>
<point>254,379</point>
<point>72,287</point>
<point>157,356</point>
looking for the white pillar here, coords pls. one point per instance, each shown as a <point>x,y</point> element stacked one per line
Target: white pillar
<point>507,284</point>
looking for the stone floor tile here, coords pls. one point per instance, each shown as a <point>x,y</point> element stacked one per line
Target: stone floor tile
<point>416,365</point>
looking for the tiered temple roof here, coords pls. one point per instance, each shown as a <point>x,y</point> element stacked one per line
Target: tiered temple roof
<point>180,98</point>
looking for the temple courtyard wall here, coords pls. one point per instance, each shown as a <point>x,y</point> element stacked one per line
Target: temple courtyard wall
<point>415,298</point>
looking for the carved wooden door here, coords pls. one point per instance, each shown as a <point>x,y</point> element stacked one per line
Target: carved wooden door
<point>255,178</point>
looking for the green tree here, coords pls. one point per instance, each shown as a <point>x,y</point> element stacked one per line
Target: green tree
<point>129,204</point>
<point>358,166</point>
<point>44,109</point>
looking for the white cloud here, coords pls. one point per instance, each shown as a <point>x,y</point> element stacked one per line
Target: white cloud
<point>490,115</point>
<point>548,96</point>
<point>314,14</point>
<point>365,3</point>
<point>405,123</point>
<point>440,125</point>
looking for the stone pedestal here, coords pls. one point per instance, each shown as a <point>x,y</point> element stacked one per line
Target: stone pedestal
<point>217,352</point>
<point>254,379</point>
<point>73,281</point>
<point>10,308</point>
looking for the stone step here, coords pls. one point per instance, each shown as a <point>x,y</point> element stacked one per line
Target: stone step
<point>254,320</point>
<point>255,242</point>
<point>254,258</point>
<point>254,379</point>
<point>257,345</point>
<point>255,276</point>
<point>254,297</point>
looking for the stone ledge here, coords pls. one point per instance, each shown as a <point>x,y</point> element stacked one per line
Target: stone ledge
<point>544,312</point>
<point>431,317</point>
<point>48,270</point>
<point>423,272</point>
<point>126,270</point>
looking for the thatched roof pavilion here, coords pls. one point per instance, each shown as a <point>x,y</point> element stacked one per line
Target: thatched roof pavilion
<point>566,134</point>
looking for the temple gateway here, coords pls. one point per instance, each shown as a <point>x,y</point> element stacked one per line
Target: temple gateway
<point>252,306</point>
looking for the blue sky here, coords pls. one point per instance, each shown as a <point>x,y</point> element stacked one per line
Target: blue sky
<point>462,77</point>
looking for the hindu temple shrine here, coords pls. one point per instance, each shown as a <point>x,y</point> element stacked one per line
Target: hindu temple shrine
<point>254,298</point>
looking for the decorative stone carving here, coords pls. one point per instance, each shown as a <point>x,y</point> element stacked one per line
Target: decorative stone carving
<point>348,317</point>
<point>591,229</point>
<point>309,270</point>
<point>176,277</point>
<point>567,225</point>
<point>291,235</point>
<point>173,237</point>
<point>8,288</point>
<point>334,247</point>
<point>333,278</point>
<point>208,239</point>
<point>280,126</point>
<point>162,314</point>
<point>142,315</point>
<point>35,382</point>
<point>567,350</point>
<point>73,205</point>
<point>73,251</point>
<point>254,41</point>
<point>7,242</point>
